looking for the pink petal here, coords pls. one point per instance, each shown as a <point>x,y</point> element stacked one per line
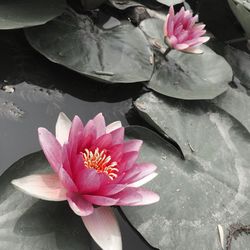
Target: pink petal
<point>113,126</point>
<point>100,125</point>
<point>178,18</point>
<point>75,134</point>
<point>117,136</point>
<point>103,142</point>
<point>45,187</point>
<point>136,197</point>
<point>104,229</point>
<point>63,125</point>
<point>143,181</point>
<point>100,200</point>
<point>171,11</point>
<point>51,148</point>
<point>87,181</point>
<point>183,36</point>
<point>116,152</point>
<point>132,145</point>
<point>66,164</point>
<point>80,206</point>
<point>112,189</point>
<point>128,196</point>
<point>172,41</point>
<point>89,134</point>
<point>148,197</point>
<point>181,46</point>
<point>193,51</point>
<point>138,172</point>
<point>67,181</point>
<point>165,29</point>
<point>128,160</point>
<point>178,30</point>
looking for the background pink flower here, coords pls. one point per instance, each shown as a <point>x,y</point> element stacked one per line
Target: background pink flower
<point>182,32</point>
<point>93,166</point>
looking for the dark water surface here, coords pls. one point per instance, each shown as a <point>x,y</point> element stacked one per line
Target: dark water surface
<point>43,89</point>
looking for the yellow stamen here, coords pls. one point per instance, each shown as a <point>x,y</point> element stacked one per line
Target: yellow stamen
<point>100,162</point>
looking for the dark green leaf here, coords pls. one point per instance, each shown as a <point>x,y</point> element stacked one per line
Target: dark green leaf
<point>124,4</point>
<point>30,224</point>
<point>25,13</point>
<point>240,62</point>
<point>210,187</point>
<point>118,54</point>
<point>241,10</point>
<point>237,104</point>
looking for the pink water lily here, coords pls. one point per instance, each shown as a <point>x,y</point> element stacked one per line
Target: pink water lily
<point>94,168</point>
<point>182,33</point>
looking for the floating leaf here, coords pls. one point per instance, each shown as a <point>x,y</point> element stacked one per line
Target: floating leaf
<point>241,10</point>
<point>240,62</point>
<point>210,187</point>
<point>237,104</point>
<point>28,223</point>
<point>120,54</point>
<point>25,13</point>
<point>170,2</point>
<point>124,4</point>
<point>186,76</point>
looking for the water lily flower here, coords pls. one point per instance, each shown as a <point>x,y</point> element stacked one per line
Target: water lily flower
<point>94,168</point>
<point>181,32</point>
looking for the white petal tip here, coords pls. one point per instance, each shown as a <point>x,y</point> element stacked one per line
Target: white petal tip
<point>45,187</point>
<point>104,229</point>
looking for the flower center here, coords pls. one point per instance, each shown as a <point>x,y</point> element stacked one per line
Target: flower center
<point>100,162</point>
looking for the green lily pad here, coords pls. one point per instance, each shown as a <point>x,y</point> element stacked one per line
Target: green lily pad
<point>124,4</point>
<point>237,104</point>
<point>186,76</point>
<point>16,14</point>
<point>117,55</point>
<point>241,10</point>
<point>170,2</point>
<point>27,223</point>
<point>210,187</point>
<point>240,62</point>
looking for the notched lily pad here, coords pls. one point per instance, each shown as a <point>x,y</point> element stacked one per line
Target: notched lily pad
<point>241,10</point>
<point>209,188</point>
<point>186,76</point>
<point>117,55</point>
<point>16,14</point>
<point>237,104</point>
<point>240,62</point>
<point>28,223</point>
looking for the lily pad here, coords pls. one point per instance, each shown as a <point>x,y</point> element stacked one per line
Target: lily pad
<point>27,223</point>
<point>209,188</point>
<point>117,55</point>
<point>124,4</point>
<point>237,104</point>
<point>170,2</point>
<point>186,76</point>
<point>241,10</point>
<point>16,14</point>
<point>240,62</point>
